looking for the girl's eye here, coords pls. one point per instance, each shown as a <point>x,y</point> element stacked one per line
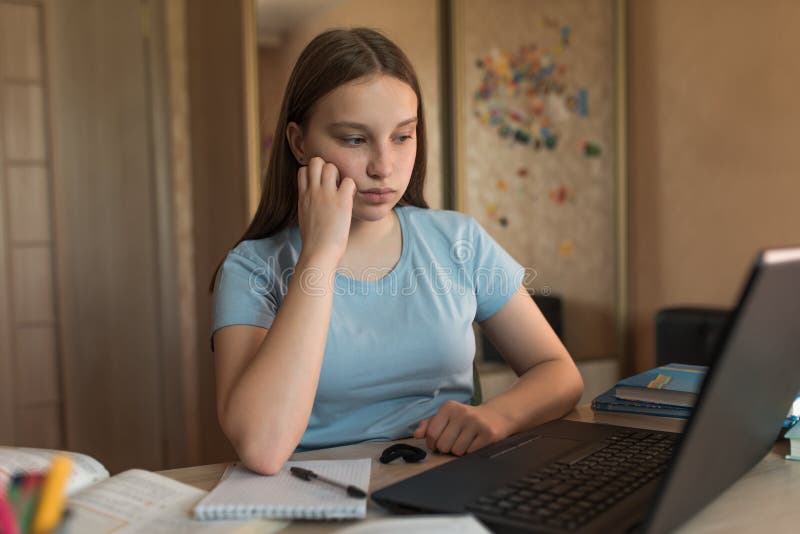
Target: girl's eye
<point>404,138</point>
<point>354,141</point>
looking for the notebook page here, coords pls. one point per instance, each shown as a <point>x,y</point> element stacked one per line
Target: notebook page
<point>138,501</point>
<point>243,494</point>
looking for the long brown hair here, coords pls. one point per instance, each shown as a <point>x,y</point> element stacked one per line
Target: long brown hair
<point>330,60</point>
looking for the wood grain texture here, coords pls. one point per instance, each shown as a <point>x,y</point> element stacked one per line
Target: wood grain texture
<point>36,366</point>
<point>172,376</point>
<point>20,41</point>
<point>32,275</point>
<point>39,425</point>
<point>183,218</point>
<point>24,122</point>
<point>219,178</point>
<point>28,203</point>
<point>30,413</point>
<point>7,429</point>
<point>106,221</point>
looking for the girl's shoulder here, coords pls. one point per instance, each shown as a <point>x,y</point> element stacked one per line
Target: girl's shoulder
<point>450,223</point>
<point>283,245</point>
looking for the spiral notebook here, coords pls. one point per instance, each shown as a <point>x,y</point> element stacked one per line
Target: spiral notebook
<point>243,494</point>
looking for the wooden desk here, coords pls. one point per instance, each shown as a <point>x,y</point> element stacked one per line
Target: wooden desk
<point>763,500</point>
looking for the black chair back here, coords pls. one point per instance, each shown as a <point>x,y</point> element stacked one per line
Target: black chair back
<point>688,334</point>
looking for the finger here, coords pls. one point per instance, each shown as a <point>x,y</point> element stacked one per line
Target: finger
<point>464,440</point>
<point>449,435</point>
<point>435,428</point>
<point>348,187</point>
<point>330,176</point>
<point>480,441</point>
<point>422,428</point>
<point>302,180</point>
<point>315,172</point>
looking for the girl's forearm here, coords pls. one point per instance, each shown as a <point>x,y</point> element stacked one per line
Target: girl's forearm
<point>544,392</point>
<point>269,407</point>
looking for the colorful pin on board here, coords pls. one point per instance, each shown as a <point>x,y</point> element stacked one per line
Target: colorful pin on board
<point>583,102</point>
<point>525,89</point>
<point>560,195</point>
<point>591,150</point>
<point>502,185</point>
<point>582,156</point>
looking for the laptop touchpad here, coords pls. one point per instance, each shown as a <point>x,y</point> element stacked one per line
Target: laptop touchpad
<point>450,487</point>
<point>538,443</point>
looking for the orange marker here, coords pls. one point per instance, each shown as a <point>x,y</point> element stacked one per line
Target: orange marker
<point>51,501</point>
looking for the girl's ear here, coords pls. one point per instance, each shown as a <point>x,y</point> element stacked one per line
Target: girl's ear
<point>294,136</point>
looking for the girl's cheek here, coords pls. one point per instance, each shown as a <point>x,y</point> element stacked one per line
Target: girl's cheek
<point>346,163</point>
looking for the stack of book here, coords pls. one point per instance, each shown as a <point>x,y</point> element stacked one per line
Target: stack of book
<point>671,391</point>
<point>793,435</point>
<point>667,391</point>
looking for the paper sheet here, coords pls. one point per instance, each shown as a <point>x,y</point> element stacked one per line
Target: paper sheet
<point>242,493</point>
<point>138,501</point>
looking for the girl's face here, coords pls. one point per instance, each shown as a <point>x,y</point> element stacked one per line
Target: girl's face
<point>367,128</point>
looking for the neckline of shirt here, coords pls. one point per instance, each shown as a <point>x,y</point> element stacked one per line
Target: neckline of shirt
<point>397,266</point>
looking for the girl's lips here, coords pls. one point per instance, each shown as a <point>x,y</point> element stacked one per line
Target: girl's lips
<point>376,198</point>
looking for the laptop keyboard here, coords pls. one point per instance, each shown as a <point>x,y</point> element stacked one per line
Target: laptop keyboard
<point>573,490</point>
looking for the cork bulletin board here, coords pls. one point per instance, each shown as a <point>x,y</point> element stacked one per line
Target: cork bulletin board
<point>538,144</point>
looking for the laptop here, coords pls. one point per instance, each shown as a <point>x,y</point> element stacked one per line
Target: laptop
<point>567,476</point>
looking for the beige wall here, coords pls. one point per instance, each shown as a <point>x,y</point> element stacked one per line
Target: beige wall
<point>713,156</point>
<point>413,25</point>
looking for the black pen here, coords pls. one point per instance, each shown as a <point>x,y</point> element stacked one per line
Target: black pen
<point>305,474</point>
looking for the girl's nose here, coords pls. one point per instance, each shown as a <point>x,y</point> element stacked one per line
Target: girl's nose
<point>380,164</point>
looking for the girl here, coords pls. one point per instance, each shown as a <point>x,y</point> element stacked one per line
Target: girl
<point>344,313</point>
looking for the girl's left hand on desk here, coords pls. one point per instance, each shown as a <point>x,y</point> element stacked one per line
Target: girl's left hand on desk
<point>459,429</point>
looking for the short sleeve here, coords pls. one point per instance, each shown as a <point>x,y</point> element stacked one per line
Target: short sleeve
<point>246,292</point>
<point>496,274</point>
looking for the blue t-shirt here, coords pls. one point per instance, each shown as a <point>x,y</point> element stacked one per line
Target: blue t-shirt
<point>397,348</point>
